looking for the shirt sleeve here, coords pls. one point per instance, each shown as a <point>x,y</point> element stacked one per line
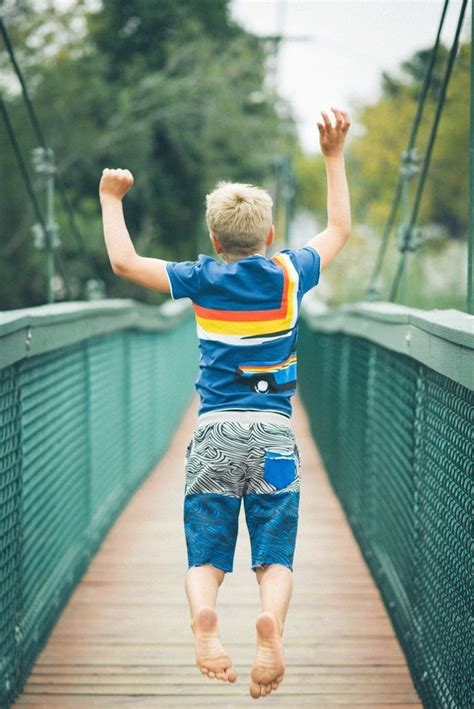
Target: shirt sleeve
<point>307,262</point>
<point>184,278</point>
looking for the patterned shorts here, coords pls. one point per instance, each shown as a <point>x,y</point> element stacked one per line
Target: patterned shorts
<point>228,459</point>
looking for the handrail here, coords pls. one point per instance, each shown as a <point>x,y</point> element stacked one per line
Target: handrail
<point>441,339</point>
<point>390,395</point>
<point>90,394</point>
<point>27,332</point>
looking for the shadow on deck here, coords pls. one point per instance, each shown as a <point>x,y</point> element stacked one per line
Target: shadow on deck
<point>125,639</point>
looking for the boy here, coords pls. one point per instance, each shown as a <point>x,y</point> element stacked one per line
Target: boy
<point>243,447</point>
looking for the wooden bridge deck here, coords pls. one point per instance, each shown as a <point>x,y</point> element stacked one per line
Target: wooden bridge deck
<point>125,639</point>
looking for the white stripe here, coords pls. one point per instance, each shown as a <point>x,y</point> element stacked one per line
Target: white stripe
<point>237,339</point>
<point>243,416</point>
<point>169,281</point>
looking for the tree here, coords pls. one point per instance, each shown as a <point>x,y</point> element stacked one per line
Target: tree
<point>173,90</point>
<point>373,160</point>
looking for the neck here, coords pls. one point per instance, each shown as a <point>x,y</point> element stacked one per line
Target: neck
<point>231,258</point>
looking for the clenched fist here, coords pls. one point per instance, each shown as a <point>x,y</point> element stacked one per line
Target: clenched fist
<point>115,183</point>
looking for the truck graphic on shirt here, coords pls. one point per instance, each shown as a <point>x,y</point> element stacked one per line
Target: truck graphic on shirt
<point>268,377</point>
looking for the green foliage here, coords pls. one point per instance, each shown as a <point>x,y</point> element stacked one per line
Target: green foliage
<point>173,90</point>
<point>379,136</point>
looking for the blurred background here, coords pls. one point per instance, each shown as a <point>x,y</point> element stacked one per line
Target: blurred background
<point>188,92</point>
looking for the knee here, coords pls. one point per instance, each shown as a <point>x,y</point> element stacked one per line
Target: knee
<point>261,570</point>
<point>205,571</point>
<point>271,570</point>
<point>219,574</point>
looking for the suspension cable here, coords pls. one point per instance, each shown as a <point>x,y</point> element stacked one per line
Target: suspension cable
<point>21,161</point>
<point>411,142</point>
<point>28,183</point>
<point>42,140</point>
<point>429,150</point>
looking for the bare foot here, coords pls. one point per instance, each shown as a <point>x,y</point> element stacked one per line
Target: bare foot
<point>269,666</point>
<point>211,658</point>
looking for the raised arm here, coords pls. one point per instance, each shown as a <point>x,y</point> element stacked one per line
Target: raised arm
<point>329,242</point>
<point>125,262</point>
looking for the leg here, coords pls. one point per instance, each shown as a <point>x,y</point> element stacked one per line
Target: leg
<point>211,522</point>
<point>202,584</point>
<point>212,501</point>
<point>271,506</point>
<point>276,585</point>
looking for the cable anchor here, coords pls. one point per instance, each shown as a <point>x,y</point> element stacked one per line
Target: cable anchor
<point>410,163</point>
<point>408,237</point>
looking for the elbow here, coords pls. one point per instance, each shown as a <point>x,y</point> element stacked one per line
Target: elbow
<point>122,266</point>
<point>345,231</point>
<point>341,231</point>
<point>118,268</point>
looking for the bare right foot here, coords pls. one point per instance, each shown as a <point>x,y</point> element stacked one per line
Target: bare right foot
<point>211,658</point>
<point>269,666</point>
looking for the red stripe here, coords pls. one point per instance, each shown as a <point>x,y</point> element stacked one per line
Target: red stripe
<point>249,315</point>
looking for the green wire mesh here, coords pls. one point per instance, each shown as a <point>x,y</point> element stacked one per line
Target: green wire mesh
<point>80,428</point>
<point>396,440</point>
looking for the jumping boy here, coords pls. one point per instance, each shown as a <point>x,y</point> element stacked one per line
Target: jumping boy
<point>246,311</point>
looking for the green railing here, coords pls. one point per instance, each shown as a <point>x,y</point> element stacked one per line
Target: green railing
<point>389,394</point>
<point>90,394</point>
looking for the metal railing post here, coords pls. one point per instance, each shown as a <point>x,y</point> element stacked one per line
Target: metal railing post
<point>47,239</point>
<point>470,233</point>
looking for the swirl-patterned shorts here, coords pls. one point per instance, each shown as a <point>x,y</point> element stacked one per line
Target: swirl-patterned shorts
<point>241,454</point>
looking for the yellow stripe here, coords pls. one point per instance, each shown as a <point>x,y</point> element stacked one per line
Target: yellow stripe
<point>256,328</point>
<point>270,368</point>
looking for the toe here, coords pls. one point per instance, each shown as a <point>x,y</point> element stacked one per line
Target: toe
<point>231,674</point>
<point>211,674</point>
<point>274,685</point>
<point>220,675</point>
<point>255,690</point>
<point>204,670</point>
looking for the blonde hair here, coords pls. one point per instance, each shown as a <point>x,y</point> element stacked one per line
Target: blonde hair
<point>240,216</point>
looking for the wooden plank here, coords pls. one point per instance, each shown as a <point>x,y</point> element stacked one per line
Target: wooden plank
<point>70,701</point>
<point>368,672</point>
<point>125,639</point>
<point>232,690</point>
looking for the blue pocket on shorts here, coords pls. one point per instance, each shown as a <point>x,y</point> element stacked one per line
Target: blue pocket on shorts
<point>279,468</point>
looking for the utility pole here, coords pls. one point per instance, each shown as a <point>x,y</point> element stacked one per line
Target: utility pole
<point>285,184</point>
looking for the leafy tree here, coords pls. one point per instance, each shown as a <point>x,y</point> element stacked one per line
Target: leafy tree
<point>373,160</point>
<point>174,91</point>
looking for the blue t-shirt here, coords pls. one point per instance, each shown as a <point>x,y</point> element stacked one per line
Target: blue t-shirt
<point>246,317</point>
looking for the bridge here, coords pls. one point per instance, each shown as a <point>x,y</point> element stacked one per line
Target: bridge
<point>96,406</point>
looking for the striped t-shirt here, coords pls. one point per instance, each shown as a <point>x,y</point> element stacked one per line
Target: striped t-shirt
<point>246,317</point>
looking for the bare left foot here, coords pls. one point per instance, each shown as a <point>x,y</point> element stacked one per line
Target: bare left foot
<point>269,666</point>
<point>211,658</point>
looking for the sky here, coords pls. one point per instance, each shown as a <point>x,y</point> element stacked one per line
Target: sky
<point>343,47</point>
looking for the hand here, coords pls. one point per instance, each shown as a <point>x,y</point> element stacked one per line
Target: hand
<point>331,138</point>
<point>115,183</point>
